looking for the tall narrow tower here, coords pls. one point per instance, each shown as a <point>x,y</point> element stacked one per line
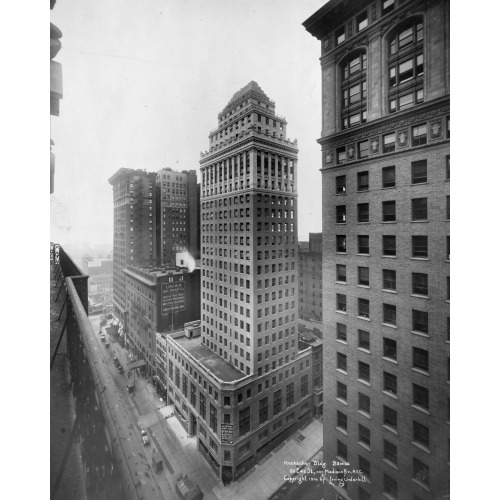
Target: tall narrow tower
<point>249,236</point>
<point>134,226</point>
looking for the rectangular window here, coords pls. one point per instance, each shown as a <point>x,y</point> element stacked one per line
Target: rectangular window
<point>363,403</point>
<point>421,434</point>
<point>388,279</point>
<point>421,396</point>
<point>363,244</point>
<point>341,361</point>
<point>341,302</point>
<point>364,339</point>
<point>341,273</point>
<point>389,211</point>
<point>389,143</point>
<point>340,216</point>
<point>389,314</point>
<point>419,172</point>
<point>263,410</point>
<point>421,359</point>
<point>390,417</point>
<point>213,418</point>
<point>391,452</point>
<point>389,246</point>
<point>341,155</point>
<point>447,248</point>
<point>419,246</point>
<point>340,35</point>
<point>387,6</point>
<point>341,420</point>
<point>244,421</point>
<point>388,177</point>
<point>364,434</point>
<point>363,182</point>
<point>341,332</point>
<point>341,450</point>
<point>390,383</point>
<point>363,308</point>
<point>363,212</point>
<point>418,209</point>
<point>277,402</point>
<point>362,21</point>
<point>363,149</point>
<point>420,321</point>
<point>448,207</point>
<point>419,133</point>
<point>390,349</point>
<point>363,276</point>
<point>341,243</point>
<point>341,391</point>
<point>448,167</point>
<point>420,284</point>
<point>363,371</point>
<point>390,486</point>
<point>289,394</point>
<point>420,471</point>
<point>340,184</point>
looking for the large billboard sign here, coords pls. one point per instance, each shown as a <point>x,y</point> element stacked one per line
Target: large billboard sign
<point>172,297</point>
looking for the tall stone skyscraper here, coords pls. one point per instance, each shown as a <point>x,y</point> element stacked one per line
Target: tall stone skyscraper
<point>249,236</point>
<point>385,141</point>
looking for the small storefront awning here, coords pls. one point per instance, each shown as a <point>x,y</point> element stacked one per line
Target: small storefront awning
<point>136,364</point>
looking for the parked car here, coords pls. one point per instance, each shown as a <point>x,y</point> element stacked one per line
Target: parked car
<point>103,337</point>
<point>107,344</point>
<point>145,439</point>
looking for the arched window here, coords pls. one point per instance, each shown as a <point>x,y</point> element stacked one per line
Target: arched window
<point>354,90</point>
<point>406,66</point>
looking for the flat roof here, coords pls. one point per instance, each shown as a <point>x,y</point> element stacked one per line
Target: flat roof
<point>215,364</point>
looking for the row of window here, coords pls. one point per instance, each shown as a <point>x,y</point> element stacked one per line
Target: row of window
<point>419,246</point>
<point>388,179</point>
<point>418,211</point>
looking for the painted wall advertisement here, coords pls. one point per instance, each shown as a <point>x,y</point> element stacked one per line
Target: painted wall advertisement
<point>172,297</point>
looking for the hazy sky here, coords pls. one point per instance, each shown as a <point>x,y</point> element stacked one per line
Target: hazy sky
<point>144,82</point>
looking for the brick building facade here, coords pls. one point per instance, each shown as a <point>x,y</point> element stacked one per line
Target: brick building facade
<point>386,248</point>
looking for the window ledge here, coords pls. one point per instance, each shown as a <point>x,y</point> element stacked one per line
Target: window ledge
<point>389,222</point>
<point>364,445</point>
<point>341,253</point>
<point>388,496</point>
<point>390,360</point>
<point>363,222</point>
<point>418,296</point>
<point>367,287</point>
<point>419,408</point>
<point>363,254</point>
<point>341,341</point>
<point>341,312</point>
<point>420,258</point>
<point>366,415</point>
<point>391,429</point>
<point>343,401</point>
<point>422,485</point>
<point>343,431</point>
<point>390,394</point>
<point>389,256</point>
<point>420,334</point>
<point>390,325</point>
<point>389,291</point>
<point>388,187</point>
<point>421,447</point>
<point>364,318</point>
<point>422,372</point>
<point>340,282</point>
<point>388,462</point>
<point>419,221</point>
<point>362,349</point>
<point>364,382</point>
<point>340,370</point>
